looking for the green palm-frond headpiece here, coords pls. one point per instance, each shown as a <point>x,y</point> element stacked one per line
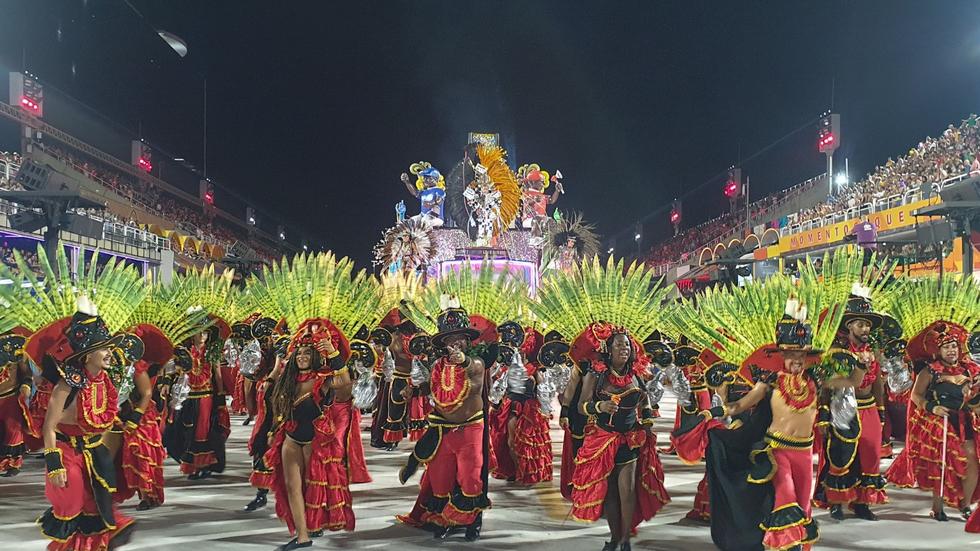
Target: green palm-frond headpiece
<point>480,290</point>
<point>629,297</point>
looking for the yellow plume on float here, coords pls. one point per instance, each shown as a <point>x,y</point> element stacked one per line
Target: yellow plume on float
<point>504,179</point>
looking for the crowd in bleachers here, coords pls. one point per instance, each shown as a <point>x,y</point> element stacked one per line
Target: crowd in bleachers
<point>932,161</point>
<point>29,255</point>
<point>144,195</point>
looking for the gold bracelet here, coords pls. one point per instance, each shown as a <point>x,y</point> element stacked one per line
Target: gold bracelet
<point>52,450</point>
<point>56,472</point>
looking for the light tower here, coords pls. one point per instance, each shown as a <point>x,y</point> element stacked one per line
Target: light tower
<point>828,140</point>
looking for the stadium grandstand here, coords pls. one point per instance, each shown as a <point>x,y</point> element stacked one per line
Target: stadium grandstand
<point>781,228</point>
<point>159,211</point>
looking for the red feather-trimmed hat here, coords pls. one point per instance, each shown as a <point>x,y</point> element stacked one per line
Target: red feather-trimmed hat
<point>314,330</point>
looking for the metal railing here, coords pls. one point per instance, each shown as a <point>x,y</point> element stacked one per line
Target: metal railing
<point>866,209</point>
<point>133,236</point>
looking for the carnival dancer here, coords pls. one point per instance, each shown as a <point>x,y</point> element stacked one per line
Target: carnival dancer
<point>241,336</point>
<point>850,458</point>
<point>258,397</point>
<point>83,406</point>
<point>519,432</point>
<point>381,341</point>
<point>307,454</point>
<point>196,436</point>
<point>572,421</point>
<point>617,471</point>
<point>453,489</point>
<point>15,391</point>
<point>943,414</point>
<point>400,390</point>
<point>695,369</point>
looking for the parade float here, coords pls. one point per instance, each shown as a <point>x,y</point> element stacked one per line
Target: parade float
<point>484,209</point>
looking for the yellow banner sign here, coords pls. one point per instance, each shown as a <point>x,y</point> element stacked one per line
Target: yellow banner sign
<point>891,219</point>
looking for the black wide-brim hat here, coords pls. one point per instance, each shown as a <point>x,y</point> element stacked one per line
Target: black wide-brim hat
<point>859,308</point>
<point>87,333</point>
<point>454,322</point>
<point>439,339</point>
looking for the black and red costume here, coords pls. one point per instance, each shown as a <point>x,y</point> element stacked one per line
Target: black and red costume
<point>82,515</point>
<point>318,420</point>
<point>530,442</point>
<point>922,464</point>
<point>196,436</point>
<point>15,389</point>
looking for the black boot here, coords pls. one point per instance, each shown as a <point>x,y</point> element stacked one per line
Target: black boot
<point>247,422</point>
<point>293,544</point>
<point>10,472</point>
<point>145,505</point>
<point>862,511</point>
<point>196,475</point>
<point>609,546</point>
<point>939,515</point>
<point>625,546</point>
<point>440,532</point>
<point>316,534</point>
<point>258,502</point>
<point>836,512</point>
<point>473,530</point>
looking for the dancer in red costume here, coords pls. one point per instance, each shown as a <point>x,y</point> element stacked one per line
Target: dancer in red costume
<point>454,448</point>
<point>196,436</point>
<point>849,468</point>
<point>15,390</point>
<point>402,394</point>
<point>258,398</point>
<point>83,406</point>
<point>700,401</point>
<point>519,433</point>
<point>308,452</point>
<point>944,404</point>
<point>617,471</point>
<point>142,453</point>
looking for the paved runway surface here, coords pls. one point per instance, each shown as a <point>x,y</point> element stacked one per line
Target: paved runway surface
<point>206,515</point>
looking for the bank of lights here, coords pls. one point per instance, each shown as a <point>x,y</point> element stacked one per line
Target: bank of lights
<point>637,237</point>
<point>29,104</point>
<point>145,164</point>
<point>826,140</point>
<point>675,217</point>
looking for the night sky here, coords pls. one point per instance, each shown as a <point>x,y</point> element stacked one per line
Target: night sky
<point>315,108</point>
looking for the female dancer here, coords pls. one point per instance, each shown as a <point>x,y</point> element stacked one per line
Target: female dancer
<point>308,452</point>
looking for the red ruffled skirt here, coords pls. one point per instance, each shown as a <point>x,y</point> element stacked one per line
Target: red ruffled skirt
<point>596,461</point>
<point>921,463</point>
<point>419,409</point>
<point>326,490</point>
<point>141,460</point>
<point>15,424</point>
<point>532,442</point>
<point>74,521</point>
<point>238,406</point>
<point>36,411</point>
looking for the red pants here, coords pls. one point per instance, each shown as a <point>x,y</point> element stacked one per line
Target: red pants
<point>74,521</point>
<point>790,522</point>
<point>458,462</point>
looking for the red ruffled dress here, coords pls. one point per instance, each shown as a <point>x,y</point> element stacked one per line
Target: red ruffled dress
<point>921,465</point>
<point>197,434</point>
<point>142,454</point>
<point>82,516</point>
<point>532,438</point>
<point>258,444</point>
<point>15,422</point>
<point>611,441</point>
<point>238,405</point>
<point>326,427</point>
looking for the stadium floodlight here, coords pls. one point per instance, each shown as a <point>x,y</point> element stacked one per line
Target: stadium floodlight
<point>840,179</point>
<point>611,250</point>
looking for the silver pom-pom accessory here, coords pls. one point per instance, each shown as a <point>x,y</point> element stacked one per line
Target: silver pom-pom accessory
<point>179,392</point>
<point>498,386</point>
<point>843,407</point>
<point>679,384</point>
<point>230,352</point>
<point>517,375</point>
<point>250,358</point>
<point>365,392</point>
<point>897,375</point>
<point>655,387</point>
<point>420,375</point>
<point>547,392</point>
<point>561,375</point>
<point>388,365</point>
<point>126,385</point>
